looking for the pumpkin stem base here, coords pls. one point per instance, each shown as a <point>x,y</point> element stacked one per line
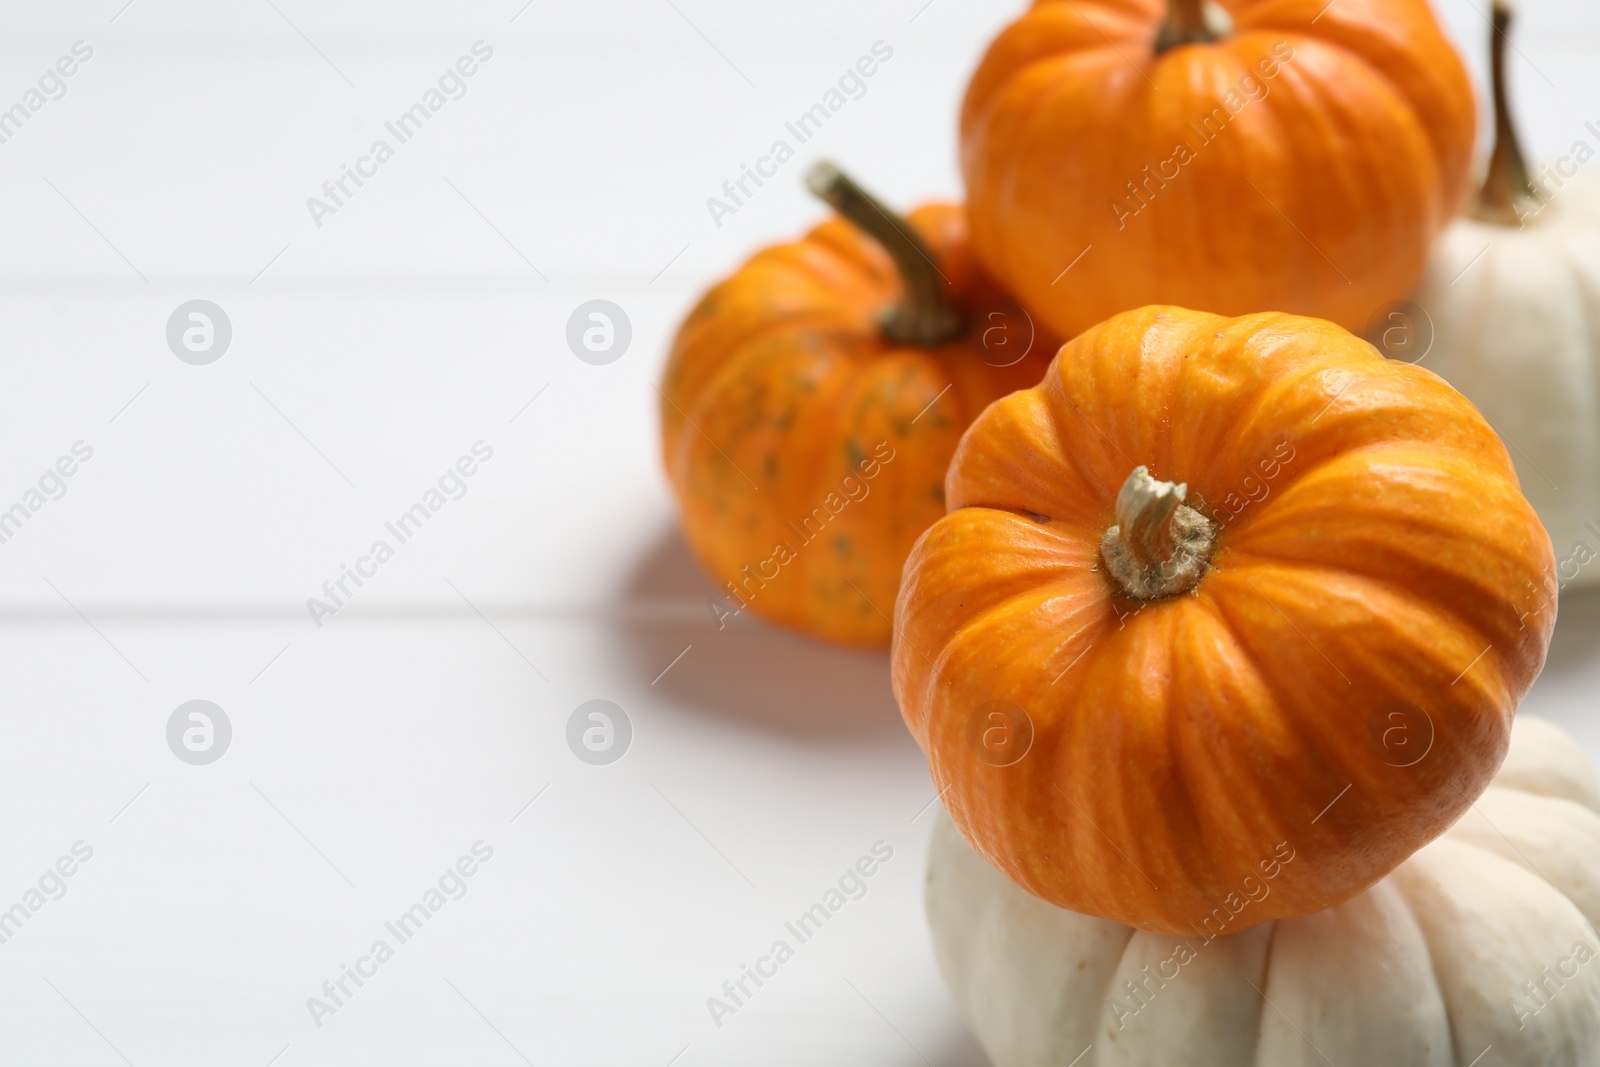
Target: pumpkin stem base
<point>1193,22</point>
<point>1160,546</point>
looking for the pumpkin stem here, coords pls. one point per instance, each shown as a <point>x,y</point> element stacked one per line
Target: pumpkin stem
<point>1192,22</point>
<point>924,315</point>
<point>1506,186</point>
<point>1159,546</point>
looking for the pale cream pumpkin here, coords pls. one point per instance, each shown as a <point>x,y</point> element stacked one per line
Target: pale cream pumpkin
<point>1479,950</point>
<point>1513,295</point>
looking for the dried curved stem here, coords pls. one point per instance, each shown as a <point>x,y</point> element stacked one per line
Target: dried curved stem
<point>1160,546</point>
<point>925,315</point>
<point>1507,190</point>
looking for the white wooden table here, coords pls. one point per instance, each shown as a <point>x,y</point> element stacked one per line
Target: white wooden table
<point>427,313</point>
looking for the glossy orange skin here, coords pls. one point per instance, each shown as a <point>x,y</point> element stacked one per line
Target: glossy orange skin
<point>1339,685</point>
<point>1319,196</point>
<point>781,397</point>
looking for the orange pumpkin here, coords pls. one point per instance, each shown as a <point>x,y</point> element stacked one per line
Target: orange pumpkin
<point>813,400</point>
<point>1259,690</point>
<point>1292,155</point>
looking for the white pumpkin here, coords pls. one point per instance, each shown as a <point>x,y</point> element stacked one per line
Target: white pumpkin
<point>1479,950</point>
<point>1513,294</point>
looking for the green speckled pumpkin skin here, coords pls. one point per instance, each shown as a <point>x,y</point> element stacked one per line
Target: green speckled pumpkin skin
<point>807,453</point>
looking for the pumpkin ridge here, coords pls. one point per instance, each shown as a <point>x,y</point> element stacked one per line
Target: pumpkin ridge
<point>1467,708</point>
<point>1442,459</point>
<point>1090,818</point>
<point>857,260</point>
<point>1362,42</point>
<point>1291,706</point>
<point>691,371</point>
<point>1297,38</point>
<point>1211,824</point>
<point>1460,586</point>
<point>1290,725</point>
<point>1060,523</point>
<point>929,563</point>
<point>1161,376</point>
<point>1556,805</point>
<point>1390,583</point>
<point>1052,720</point>
<point>771,504</point>
<point>1433,971</point>
<point>1396,435</point>
<point>821,325</point>
<point>843,416</point>
<point>1039,594</point>
<point>1020,125</point>
<point>736,370</point>
<point>1469,636</point>
<point>820,322</point>
<point>1320,95</point>
<point>983,465</point>
<point>1263,398</point>
<point>1120,27</point>
<point>1433,967</point>
<point>1088,478</point>
<point>1546,776</point>
<point>831,260</point>
<point>1411,878</point>
<point>1297,728</point>
<point>971,626</point>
